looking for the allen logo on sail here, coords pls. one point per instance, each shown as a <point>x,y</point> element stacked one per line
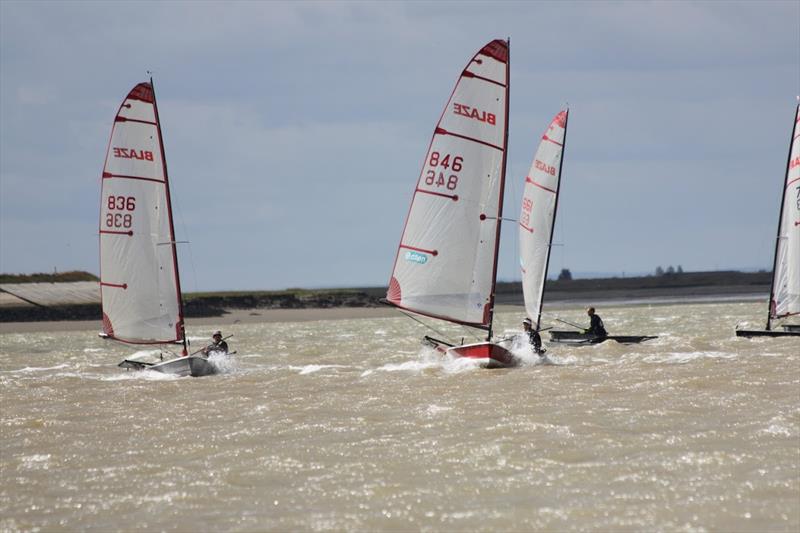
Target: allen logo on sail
<point>471,112</point>
<point>132,153</point>
<point>416,257</point>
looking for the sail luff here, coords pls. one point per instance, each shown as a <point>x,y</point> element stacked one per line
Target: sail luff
<point>501,190</point>
<point>787,248</point>
<point>172,244</point>
<point>552,229</point>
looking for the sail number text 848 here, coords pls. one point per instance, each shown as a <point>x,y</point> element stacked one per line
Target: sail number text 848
<point>120,203</point>
<point>441,178</point>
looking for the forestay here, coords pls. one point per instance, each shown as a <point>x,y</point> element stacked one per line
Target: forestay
<point>446,262</point>
<point>539,201</point>
<point>139,284</point>
<point>786,280</point>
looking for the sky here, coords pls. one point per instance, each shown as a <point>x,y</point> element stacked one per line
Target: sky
<point>295,131</point>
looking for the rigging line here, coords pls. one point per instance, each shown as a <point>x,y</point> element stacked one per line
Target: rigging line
<point>177,203</point>
<point>472,333</point>
<point>412,317</point>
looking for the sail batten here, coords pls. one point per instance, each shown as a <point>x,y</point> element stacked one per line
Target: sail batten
<point>446,260</point>
<point>537,216</point>
<point>140,289</point>
<point>785,291</point>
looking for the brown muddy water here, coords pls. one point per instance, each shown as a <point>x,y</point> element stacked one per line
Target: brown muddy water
<point>350,425</point>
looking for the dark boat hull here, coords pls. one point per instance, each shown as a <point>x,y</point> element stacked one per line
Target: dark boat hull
<point>767,333</point>
<point>577,338</point>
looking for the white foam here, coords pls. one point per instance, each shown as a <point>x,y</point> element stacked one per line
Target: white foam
<point>310,369</point>
<point>36,462</point>
<point>687,357</point>
<point>28,369</point>
<point>434,410</point>
<point>146,375</point>
<point>224,363</point>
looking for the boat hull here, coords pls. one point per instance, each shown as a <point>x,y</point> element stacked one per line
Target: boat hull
<point>178,366</point>
<point>792,332</point>
<point>578,338</point>
<point>193,365</point>
<point>200,366</point>
<point>496,355</point>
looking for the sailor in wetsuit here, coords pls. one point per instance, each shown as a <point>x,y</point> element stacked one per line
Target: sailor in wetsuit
<point>533,337</point>
<point>596,326</point>
<point>217,346</point>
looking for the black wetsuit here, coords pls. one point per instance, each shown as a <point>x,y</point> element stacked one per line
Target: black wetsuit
<point>536,341</point>
<point>596,327</point>
<point>217,347</point>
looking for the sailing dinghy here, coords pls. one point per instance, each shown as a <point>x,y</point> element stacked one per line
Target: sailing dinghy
<point>536,221</point>
<point>140,286</point>
<point>446,263</point>
<point>784,295</point>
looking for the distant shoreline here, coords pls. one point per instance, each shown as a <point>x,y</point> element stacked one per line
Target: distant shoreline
<point>71,306</point>
<point>198,325</point>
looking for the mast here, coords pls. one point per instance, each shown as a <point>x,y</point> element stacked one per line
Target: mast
<point>502,195</point>
<point>172,243</point>
<point>780,219</point>
<point>555,213</point>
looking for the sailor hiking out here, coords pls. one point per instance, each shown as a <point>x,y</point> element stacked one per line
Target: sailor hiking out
<point>217,346</point>
<point>534,338</point>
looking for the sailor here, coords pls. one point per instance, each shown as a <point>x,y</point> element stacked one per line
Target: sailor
<point>533,337</point>
<point>596,326</point>
<point>217,345</point>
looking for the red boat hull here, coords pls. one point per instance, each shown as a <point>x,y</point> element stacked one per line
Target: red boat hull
<point>498,356</point>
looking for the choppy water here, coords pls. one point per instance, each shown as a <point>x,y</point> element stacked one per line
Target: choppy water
<point>348,425</point>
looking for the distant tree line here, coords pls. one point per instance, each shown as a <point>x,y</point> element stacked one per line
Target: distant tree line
<point>55,277</point>
<point>670,271</point>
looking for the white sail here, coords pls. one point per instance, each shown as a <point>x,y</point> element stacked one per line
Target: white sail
<point>786,277</point>
<point>539,199</point>
<point>139,283</point>
<point>446,262</point>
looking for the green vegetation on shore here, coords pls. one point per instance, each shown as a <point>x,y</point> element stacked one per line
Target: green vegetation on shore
<point>55,277</point>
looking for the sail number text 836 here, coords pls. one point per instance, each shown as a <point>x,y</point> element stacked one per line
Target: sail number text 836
<point>120,219</point>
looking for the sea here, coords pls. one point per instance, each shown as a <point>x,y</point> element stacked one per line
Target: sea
<point>353,425</point>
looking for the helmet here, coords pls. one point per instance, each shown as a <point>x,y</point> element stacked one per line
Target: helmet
<point>217,333</point>
<point>527,321</point>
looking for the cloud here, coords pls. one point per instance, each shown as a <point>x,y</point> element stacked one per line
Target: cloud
<point>295,130</point>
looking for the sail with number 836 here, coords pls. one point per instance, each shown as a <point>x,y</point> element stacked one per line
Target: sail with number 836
<point>139,282</point>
